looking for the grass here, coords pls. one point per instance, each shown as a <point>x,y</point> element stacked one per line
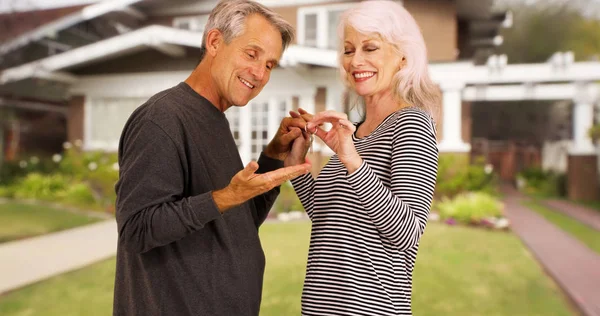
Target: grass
<point>460,271</point>
<point>587,235</point>
<point>18,221</point>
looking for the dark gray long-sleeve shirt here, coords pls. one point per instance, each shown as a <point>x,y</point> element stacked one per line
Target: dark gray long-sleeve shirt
<point>177,255</point>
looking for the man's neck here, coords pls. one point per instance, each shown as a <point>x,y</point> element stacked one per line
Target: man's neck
<point>201,82</point>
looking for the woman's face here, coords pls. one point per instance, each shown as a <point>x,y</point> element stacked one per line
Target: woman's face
<point>370,62</point>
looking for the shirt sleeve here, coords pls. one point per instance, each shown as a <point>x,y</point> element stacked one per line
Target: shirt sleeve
<point>265,201</point>
<point>304,186</point>
<point>151,209</point>
<point>400,211</point>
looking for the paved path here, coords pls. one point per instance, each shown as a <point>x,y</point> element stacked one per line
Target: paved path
<point>573,266</point>
<point>581,213</point>
<point>30,260</point>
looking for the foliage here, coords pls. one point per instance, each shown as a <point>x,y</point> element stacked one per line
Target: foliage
<point>537,182</point>
<point>543,28</point>
<point>41,187</point>
<point>594,132</point>
<point>79,178</point>
<point>456,176</point>
<point>287,201</point>
<point>469,208</point>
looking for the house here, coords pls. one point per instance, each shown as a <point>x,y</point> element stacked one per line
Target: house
<point>91,63</point>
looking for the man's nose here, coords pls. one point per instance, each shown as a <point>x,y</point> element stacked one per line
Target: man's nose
<point>258,72</point>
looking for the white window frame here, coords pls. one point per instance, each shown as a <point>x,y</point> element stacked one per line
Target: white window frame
<point>322,13</point>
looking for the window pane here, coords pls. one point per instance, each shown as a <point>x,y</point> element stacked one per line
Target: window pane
<point>310,30</point>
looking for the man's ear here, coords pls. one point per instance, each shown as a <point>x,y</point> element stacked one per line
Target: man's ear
<point>214,40</point>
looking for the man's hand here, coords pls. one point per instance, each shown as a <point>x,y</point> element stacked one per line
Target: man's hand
<point>246,184</point>
<point>281,144</point>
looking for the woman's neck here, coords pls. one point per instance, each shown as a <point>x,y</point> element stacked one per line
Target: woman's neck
<point>377,108</point>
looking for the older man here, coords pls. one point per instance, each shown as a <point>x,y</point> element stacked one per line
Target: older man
<point>188,211</point>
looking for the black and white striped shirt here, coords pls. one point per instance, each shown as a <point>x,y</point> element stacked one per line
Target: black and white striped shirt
<point>366,226</point>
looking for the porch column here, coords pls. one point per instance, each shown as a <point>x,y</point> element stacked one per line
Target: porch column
<point>273,117</point>
<point>245,132</point>
<point>582,170</point>
<point>452,119</point>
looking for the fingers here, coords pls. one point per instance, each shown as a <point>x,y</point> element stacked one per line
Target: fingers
<point>249,170</point>
<point>295,114</point>
<point>289,122</point>
<point>294,133</point>
<point>326,117</point>
<point>279,176</point>
<point>347,125</point>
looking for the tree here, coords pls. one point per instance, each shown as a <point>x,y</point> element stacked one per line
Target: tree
<point>542,28</point>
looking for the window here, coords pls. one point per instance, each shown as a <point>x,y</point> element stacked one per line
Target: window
<point>259,128</point>
<point>191,23</point>
<point>317,26</point>
<point>233,116</point>
<point>107,117</point>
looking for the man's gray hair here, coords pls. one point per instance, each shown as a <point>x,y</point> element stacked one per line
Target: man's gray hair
<point>229,17</point>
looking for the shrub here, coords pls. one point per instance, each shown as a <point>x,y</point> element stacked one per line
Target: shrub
<point>78,194</point>
<point>469,208</point>
<point>455,175</point>
<point>537,182</point>
<point>287,201</point>
<point>41,187</point>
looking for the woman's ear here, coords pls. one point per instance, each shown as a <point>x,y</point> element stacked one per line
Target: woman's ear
<point>403,62</point>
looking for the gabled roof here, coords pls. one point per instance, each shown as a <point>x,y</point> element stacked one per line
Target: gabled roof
<point>165,39</point>
<point>86,13</point>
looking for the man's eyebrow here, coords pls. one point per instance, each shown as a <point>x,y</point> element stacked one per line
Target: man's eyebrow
<point>256,48</point>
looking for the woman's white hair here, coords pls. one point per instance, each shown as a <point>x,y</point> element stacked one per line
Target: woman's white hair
<point>396,26</point>
<point>229,17</point>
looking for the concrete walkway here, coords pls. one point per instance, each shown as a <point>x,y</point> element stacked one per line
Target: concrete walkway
<point>583,214</point>
<point>571,264</point>
<point>31,260</point>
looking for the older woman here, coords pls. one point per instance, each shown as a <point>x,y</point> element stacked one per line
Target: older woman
<point>370,203</point>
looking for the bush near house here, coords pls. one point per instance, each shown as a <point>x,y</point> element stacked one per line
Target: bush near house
<point>472,208</point>
<point>456,175</point>
<point>541,183</point>
<point>76,178</point>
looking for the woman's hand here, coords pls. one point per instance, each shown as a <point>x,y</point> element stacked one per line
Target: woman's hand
<point>338,138</point>
<point>297,154</point>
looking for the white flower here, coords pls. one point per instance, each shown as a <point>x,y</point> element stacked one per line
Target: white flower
<point>34,160</point>
<point>56,158</point>
<point>23,164</point>
<point>488,168</point>
<point>115,166</point>
<point>92,166</point>
<point>78,143</point>
<point>502,223</point>
<point>67,145</point>
<point>434,216</point>
<point>284,217</point>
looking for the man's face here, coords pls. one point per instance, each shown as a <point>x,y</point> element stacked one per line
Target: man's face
<point>243,67</point>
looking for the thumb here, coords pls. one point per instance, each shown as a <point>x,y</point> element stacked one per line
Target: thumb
<point>250,169</point>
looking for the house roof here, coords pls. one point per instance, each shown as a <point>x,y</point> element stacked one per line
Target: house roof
<point>49,29</point>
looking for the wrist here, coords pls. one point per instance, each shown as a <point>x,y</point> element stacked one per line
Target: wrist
<point>224,199</point>
<point>352,163</point>
<point>271,152</point>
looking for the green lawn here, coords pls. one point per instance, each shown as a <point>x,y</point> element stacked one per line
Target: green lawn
<point>460,271</point>
<point>584,233</point>
<point>19,221</point>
